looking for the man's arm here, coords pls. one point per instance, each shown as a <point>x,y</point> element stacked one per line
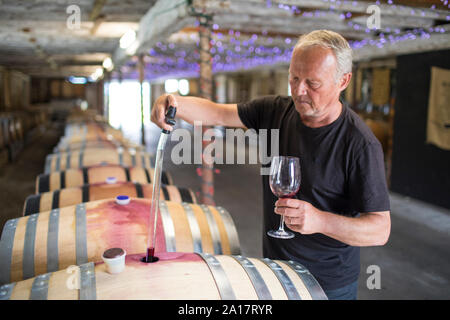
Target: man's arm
<point>369,229</point>
<point>193,109</point>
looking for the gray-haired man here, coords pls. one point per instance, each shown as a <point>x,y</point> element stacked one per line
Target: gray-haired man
<point>343,203</point>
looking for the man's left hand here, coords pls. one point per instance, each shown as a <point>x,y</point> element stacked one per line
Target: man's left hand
<point>299,216</point>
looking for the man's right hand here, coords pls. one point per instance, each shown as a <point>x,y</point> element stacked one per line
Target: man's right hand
<point>159,110</point>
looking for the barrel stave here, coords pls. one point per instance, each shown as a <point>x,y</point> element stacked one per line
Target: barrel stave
<point>238,280</point>
<point>270,279</point>
<point>91,192</point>
<point>181,227</point>
<point>206,238</point>
<point>91,157</point>
<point>299,285</point>
<point>97,174</point>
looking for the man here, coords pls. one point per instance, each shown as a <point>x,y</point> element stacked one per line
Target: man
<point>343,203</point>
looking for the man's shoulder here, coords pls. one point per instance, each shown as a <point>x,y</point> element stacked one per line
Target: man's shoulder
<point>264,112</point>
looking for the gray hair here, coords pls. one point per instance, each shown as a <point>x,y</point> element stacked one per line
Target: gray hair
<point>334,41</point>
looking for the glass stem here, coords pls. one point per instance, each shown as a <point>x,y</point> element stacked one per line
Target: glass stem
<point>281,228</point>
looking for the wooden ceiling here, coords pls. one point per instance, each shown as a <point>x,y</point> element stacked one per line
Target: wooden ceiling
<point>36,39</point>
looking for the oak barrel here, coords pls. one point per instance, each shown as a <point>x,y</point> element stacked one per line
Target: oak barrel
<point>91,192</point>
<point>65,141</point>
<point>90,157</point>
<point>89,144</point>
<point>176,276</point>
<point>90,128</point>
<point>96,174</point>
<point>4,132</point>
<point>54,240</point>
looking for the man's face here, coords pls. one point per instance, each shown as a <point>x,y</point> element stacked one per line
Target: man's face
<point>312,80</point>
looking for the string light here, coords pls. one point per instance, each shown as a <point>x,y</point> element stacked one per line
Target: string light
<point>241,52</point>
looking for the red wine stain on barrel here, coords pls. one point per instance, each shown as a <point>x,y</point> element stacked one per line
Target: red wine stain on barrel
<point>124,226</point>
<point>136,259</point>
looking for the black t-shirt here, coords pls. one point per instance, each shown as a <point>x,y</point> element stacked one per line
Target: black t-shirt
<point>342,171</point>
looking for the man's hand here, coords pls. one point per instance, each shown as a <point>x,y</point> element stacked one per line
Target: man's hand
<point>159,110</point>
<point>369,229</point>
<point>299,216</point>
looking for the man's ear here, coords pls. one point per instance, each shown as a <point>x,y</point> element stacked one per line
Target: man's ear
<point>344,81</point>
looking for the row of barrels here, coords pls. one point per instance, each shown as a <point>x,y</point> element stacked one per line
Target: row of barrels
<point>15,129</point>
<point>93,198</point>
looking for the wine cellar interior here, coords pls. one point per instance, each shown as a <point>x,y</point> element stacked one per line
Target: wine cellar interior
<point>80,171</point>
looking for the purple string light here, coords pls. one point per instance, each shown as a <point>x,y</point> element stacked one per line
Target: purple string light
<point>243,54</point>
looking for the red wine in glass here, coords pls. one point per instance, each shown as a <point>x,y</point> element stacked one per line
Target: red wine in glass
<point>284,182</point>
<point>282,195</point>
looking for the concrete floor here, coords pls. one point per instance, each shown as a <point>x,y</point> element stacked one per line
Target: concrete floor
<point>18,179</point>
<point>414,264</point>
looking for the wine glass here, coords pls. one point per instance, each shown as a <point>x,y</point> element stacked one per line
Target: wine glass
<point>284,182</point>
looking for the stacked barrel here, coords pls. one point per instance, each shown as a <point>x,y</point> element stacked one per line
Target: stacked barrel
<point>16,129</point>
<point>95,194</point>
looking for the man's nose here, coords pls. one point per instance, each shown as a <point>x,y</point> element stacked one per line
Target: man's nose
<point>300,89</point>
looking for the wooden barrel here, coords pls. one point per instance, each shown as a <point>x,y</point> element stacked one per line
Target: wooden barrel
<point>89,128</point>
<point>90,157</point>
<point>78,116</point>
<point>64,141</point>
<point>4,157</point>
<point>56,239</point>
<point>95,144</point>
<point>91,192</point>
<point>4,135</point>
<point>13,133</point>
<point>96,174</point>
<point>176,276</point>
<point>18,124</point>
<point>4,140</point>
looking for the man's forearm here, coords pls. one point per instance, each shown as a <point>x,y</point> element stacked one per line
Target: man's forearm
<point>369,229</point>
<point>207,112</point>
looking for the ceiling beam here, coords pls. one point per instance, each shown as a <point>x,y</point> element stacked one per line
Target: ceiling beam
<point>63,71</point>
<point>277,24</point>
<point>96,9</point>
<point>162,20</point>
<point>434,42</point>
<point>358,6</point>
<point>95,15</point>
<point>393,22</point>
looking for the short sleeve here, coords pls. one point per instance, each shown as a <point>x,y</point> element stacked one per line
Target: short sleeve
<point>256,114</point>
<point>367,180</point>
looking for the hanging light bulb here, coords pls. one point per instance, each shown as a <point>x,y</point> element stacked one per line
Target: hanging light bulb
<point>108,64</point>
<point>171,85</point>
<point>127,39</point>
<point>97,74</point>
<point>183,87</point>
